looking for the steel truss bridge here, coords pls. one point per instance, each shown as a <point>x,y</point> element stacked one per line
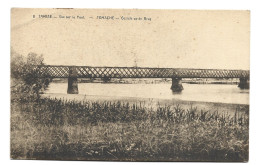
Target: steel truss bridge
<point>58,71</point>
<point>74,72</point>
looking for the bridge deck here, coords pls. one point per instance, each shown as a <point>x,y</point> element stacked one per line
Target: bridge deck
<point>55,71</point>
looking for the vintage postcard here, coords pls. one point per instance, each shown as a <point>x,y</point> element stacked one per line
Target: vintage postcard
<point>130,84</point>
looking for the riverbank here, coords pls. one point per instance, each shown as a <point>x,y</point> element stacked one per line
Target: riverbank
<point>154,103</point>
<point>126,130</point>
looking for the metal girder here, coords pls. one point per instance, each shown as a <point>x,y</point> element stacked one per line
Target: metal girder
<point>59,71</point>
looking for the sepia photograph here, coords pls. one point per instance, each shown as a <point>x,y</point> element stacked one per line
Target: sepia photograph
<point>129,85</point>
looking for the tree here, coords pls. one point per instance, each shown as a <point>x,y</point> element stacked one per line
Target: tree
<point>24,81</point>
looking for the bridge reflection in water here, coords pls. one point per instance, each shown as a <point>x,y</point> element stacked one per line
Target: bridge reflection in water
<point>106,73</point>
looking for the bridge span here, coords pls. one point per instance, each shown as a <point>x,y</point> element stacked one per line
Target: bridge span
<point>74,72</point>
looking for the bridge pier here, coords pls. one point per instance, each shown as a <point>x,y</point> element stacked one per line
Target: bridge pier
<point>72,81</point>
<point>176,85</point>
<point>243,83</point>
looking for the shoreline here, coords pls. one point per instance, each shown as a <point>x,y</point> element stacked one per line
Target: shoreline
<point>153,82</point>
<point>152,102</point>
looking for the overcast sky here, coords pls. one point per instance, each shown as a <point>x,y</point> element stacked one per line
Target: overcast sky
<point>173,38</point>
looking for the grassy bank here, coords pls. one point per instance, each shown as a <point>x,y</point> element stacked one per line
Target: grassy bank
<point>231,108</point>
<point>60,129</point>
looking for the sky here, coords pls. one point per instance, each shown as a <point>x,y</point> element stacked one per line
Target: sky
<point>171,39</point>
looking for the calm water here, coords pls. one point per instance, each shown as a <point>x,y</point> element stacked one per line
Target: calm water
<point>192,92</point>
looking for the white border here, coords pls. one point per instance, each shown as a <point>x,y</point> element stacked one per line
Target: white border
<point>253,6</point>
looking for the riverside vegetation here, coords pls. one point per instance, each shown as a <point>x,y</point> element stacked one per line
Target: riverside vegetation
<point>44,128</point>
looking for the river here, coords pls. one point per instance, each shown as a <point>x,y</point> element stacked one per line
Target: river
<point>220,93</point>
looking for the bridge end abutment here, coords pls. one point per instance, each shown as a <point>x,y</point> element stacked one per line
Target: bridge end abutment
<point>243,83</point>
<point>72,81</point>
<point>176,85</point>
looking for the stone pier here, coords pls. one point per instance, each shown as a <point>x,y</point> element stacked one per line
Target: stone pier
<point>72,81</point>
<point>176,85</point>
<point>243,83</point>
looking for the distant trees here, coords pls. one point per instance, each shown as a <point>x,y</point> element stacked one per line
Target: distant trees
<point>106,79</point>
